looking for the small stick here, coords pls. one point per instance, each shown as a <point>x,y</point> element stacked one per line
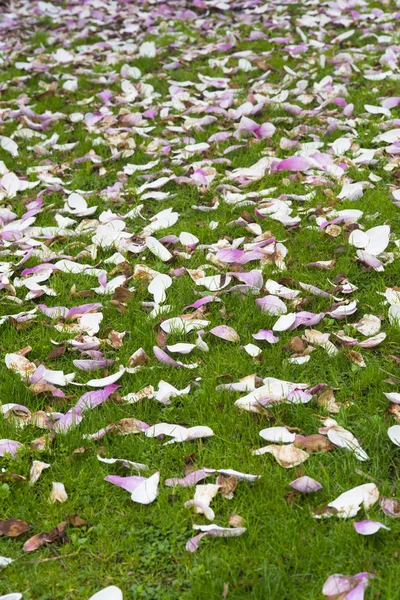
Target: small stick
<point>42,560</point>
<point>56,552</point>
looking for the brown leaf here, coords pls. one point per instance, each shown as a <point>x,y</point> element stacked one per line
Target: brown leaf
<point>395,359</point>
<point>14,476</point>
<point>235,521</point>
<point>314,443</point>
<point>56,352</point>
<point>41,443</point>
<point>56,535</point>
<point>129,425</point>
<point>80,450</point>
<point>121,308</point>
<point>225,591</point>
<point>394,409</point>
<point>161,336</point>
<point>24,351</point>
<point>19,325</point>
<point>227,485</point>
<point>296,344</point>
<point>42,388</point>
<point>356,358</point>
<point>76,521</point>
<point>114,338</point>
<point>327,400</point>
<point>13,527</point>
<point>122,294</point>
<point>138,358</point>
<point>81,293</point>
<point>190,458</point>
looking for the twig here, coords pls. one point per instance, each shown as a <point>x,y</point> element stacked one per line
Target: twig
<point>56,552</point>
<point>42,560</point>
<point>391,374</point>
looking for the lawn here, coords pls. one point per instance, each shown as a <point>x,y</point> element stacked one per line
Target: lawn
<point>215,186</point>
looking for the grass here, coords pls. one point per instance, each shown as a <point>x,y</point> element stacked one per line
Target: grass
<point>285,552</point>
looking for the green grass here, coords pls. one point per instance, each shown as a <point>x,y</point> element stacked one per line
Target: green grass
<point>285,553</point>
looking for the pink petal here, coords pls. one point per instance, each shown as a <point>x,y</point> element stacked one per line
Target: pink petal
<point>9,447</point>
<point>306,485</point>
<point>368,527</point>
<point>272,305</point>
<point>295,163</point>
<point>226,333</point>
<point>127,483</point>
<point>193,544</point>
<point>267,335</point>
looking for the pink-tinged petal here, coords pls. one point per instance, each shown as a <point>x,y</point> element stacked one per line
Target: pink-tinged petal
<point>9,447</point>
<point>193,544</point>
<point>203,508</point>
<point>369,260</point>
<point>251,278</point>
<point>92,365</point>
<point>53,312</point>
<point>226,333</point>
<point>267,335</point>
<point>163,357</point>
<point>202,301</point>
<point>83,309</point>
<point>93,399</point>
<point>338,584</point>
<point>126,483</point>
<point>344,310</point>
<point>372,341</point>
<point>272,305</point>
<point>306,485</point>
<point>356,593</point>
<point>390,506</point>
<point>295,163</point>
<point>71,418</point>
<point>199,431</point>
<point>190,479</point>
<point>368,527</point>
<point>307,319</point>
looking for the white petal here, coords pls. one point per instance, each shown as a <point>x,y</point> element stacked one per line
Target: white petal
<point>147,491</point>
<point>106,380</point>
<point>278,434</point>
<point>109,593</point>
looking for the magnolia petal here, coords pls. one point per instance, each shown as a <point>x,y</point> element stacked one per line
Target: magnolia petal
<point>394,434</point>
<point>267,335</point>
<point>368,527</point>
<point>111,592</point>
<point>147,491</point>
<point>277,434</point>
<point>105,381</point>
<point>9,447</point>
<point>393,397</point>
<point>58,492</point>
<point>284,322</point>
<point>306,485</point>
<point>226,333</point>
<point>286,456</point>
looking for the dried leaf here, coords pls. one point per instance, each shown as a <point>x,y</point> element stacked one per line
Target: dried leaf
<point>13,527</point>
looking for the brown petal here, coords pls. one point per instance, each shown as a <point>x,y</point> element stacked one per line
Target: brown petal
<point>227,485</point>
<point>13,527</point>
<point>314,443</point>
